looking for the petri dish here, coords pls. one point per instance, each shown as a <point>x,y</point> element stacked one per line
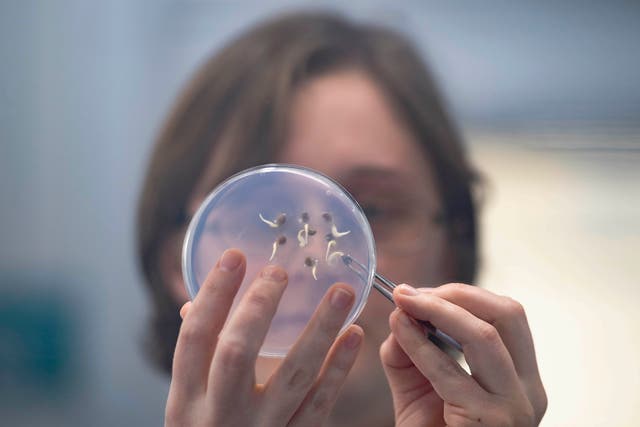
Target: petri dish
<point>292,216</point>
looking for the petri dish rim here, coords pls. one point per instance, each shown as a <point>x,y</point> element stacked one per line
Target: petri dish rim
<point>187,249</point>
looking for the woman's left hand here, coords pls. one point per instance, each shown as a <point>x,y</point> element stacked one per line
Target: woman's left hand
<point>430,388</point>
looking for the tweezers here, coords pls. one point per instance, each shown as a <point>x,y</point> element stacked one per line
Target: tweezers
<point>385,287</point>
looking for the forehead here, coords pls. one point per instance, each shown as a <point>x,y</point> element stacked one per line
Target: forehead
<point>343,122</point>
<point>342,125</point>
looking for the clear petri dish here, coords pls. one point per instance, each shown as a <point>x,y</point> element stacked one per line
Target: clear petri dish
<point>296,218</point>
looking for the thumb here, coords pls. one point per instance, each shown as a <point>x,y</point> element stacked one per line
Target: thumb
<point>413,395</point>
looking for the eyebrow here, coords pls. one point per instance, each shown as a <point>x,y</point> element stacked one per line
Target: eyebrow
<point>353,178</point>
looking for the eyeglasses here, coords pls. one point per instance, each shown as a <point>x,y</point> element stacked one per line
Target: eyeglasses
<point>400,223</point>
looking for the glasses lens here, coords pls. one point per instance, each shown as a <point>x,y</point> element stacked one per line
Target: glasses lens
<point>401,222</point>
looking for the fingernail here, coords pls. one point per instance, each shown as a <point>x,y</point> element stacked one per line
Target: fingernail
<point>275,273</point>
<point>353,340</point>
<point>230,260</point>
<point>407,290</point>
<point>341,298</point>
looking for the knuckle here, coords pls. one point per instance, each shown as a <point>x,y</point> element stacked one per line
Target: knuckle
<point>297,378</point>
<point>529,414</point>
<point>513,308</point>
<point>387,355</point>
<point>190,332</point>
<point>540,405</point>
<point>510,413</point>
<point>456,288</point>
<point>488,333</point>
<point>384,350</point>
<point>321,403</point>
<point>496,413</point>
<point>259,302</point>
<point>523,416</point>
<point>544,403</point>
<point>232,353</point>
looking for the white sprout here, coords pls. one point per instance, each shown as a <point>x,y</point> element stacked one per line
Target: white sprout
<point>303,236</point>
<point>271,224</point>
<point>332,257</point>
<point>273,252</point>
<point>335,233</point>
<point>330,246</point>
<point>313,263</point>
<point>279,241</point>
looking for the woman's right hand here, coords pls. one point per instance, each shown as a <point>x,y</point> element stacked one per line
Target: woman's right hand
<point>431,389</point>
<point>213,380</point>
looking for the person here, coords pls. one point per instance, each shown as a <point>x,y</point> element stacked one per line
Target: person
<point>355,102</point>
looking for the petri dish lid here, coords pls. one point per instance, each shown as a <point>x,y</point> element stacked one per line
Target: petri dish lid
<point>291,216</point>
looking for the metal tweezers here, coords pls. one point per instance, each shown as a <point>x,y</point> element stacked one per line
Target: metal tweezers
<point>385,287</point>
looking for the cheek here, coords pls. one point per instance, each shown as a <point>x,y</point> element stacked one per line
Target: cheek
<point>427,266</point>
<point>377,311</point>
<point>179,289</point>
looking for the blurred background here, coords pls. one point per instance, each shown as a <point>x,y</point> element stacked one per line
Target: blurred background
<point>547,94</point>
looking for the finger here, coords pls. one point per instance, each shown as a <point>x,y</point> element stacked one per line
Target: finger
<point>484,351</point>
<point>505,314</point>
<point>294,377</point>
<point>509,318</point>
<point>408,385</point>
<point>203,321</point>
<point>185,309</point>
<point>449,380</point>
<point>233,368</point>
<point>320,399</point>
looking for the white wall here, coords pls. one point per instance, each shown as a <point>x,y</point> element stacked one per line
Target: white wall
<point>562,233</point>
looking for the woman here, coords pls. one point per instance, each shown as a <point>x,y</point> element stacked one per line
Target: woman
<point>356,103</point>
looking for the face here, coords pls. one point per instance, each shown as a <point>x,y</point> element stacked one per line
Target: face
<point>342,126</point>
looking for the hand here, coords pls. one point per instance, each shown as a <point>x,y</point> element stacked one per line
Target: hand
<point>213,380</point>
<point>429,387</point>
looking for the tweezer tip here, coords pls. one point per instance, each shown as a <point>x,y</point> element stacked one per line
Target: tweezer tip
<point>347,259</point>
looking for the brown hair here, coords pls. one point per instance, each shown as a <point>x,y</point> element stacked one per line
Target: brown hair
<point>235,109</point>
